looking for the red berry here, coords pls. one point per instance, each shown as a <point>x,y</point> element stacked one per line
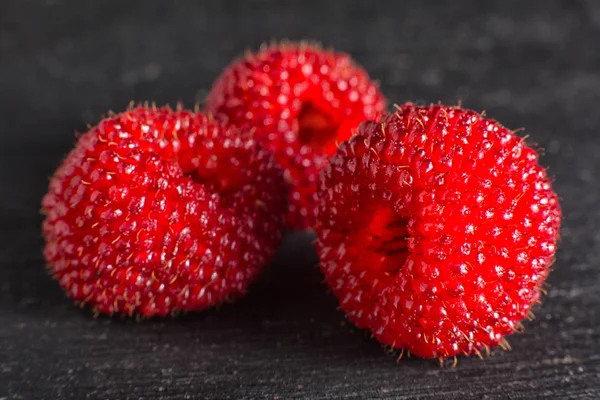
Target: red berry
<point>156,211</point>
<point>300,101</point>
<point>436,230</point>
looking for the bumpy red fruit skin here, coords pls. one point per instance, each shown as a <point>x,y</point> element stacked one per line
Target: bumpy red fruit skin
<point>300,101</point>
<point>436,230</point>
<point>156,211</point>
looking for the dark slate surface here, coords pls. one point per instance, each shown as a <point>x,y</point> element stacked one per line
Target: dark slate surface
<point>62,64</point>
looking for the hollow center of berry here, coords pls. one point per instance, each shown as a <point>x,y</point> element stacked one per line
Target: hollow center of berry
<point>387,240</point>
<point>225,179</point>
<point>317,128</point>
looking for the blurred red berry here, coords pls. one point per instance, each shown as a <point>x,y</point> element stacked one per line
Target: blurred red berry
<point>300,101</point>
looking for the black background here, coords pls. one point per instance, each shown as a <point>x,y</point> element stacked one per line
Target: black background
<point>62,64</point>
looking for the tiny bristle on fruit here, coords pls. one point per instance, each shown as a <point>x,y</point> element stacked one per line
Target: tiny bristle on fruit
<point>157,211</point>
<point>299,100</point>
<point>436,230</point>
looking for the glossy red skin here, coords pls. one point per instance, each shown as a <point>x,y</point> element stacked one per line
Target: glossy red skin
<point>436,230</point>
<point>156,211</point>
<point>271,92</point>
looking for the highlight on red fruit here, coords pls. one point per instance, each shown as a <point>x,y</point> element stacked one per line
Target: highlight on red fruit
<point>300,101</point>
<point>436,230</point>
<point>156,211</point>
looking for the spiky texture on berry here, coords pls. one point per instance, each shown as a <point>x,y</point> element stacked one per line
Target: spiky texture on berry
<point>301,101</point>
<point>156,211</point>
<point>436,230</point>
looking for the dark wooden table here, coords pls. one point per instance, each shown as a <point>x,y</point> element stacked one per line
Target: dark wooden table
<point>63,64</point>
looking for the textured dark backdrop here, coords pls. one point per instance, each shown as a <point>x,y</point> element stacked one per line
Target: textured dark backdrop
<point>62,64</point>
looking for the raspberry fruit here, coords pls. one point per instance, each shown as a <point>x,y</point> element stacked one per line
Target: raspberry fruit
<point>436,229</point>
<point>157,211</point>
<point>300,102</point>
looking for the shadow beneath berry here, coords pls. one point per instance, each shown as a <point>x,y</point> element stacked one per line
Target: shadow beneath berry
<point>288,307</point>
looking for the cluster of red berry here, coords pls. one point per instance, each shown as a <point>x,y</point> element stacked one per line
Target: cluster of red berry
<point>436,227</point>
